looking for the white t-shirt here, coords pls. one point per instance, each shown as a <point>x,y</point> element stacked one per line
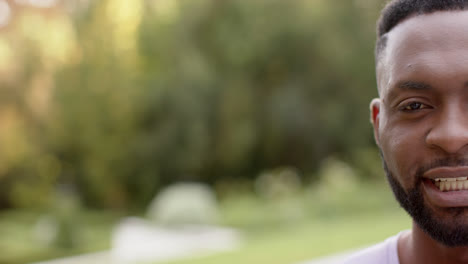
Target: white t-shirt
<point>385,252</point>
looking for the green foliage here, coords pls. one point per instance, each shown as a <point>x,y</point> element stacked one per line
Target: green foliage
<point>144,94</point>
<point>184,204</point>
<point>19,242</point>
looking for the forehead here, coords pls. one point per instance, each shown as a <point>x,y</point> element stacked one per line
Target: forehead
<point>435,43</point>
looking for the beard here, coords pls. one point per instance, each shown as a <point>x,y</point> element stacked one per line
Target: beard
<point>451,231</point>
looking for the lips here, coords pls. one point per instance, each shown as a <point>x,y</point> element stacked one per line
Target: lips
<point>446,172</point>
<point>447,186</point>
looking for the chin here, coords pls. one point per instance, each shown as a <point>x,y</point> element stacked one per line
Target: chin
<point>448,226</point>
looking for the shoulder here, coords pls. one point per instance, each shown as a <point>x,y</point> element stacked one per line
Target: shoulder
<point>383,253</point>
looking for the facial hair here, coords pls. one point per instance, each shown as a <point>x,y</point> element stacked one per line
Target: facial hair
<point>451,232</point>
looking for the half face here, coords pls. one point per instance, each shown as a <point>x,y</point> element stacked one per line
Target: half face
<point>421,118</point>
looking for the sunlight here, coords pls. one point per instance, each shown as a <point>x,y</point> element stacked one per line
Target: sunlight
<point>5,13</point>
<point>125,17</point>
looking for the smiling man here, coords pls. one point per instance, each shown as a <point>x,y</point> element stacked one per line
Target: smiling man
<point>420,124</point>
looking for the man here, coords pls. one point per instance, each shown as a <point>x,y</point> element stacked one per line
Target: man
<point>420,124</point>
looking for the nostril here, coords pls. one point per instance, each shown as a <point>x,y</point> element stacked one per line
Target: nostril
<point>449,142</point>
<point>448,132</point>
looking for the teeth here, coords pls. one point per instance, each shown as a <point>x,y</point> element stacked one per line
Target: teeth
<point>452,184</point>
<point>448,185</point>
<point>445,186</point>
<point>442,186</point>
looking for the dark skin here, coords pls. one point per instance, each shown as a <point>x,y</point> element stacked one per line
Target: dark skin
<point>422,115</point>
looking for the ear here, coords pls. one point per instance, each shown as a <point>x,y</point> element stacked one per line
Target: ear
<point>375,118</point>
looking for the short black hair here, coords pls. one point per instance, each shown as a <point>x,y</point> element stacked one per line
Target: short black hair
<point>398,10</point>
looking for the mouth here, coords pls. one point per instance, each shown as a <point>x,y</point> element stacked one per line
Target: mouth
<point>447,186</point>
<point>448,178</point>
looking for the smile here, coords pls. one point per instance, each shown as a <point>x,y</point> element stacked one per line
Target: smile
<point>451,184</point>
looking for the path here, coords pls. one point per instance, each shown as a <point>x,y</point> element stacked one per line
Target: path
<point>136,240</point>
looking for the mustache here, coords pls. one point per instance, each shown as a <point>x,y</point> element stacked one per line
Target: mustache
<point>449,161</point>
<point>441,162</point>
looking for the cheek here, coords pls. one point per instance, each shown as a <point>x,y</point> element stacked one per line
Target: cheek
<point>401,150</point>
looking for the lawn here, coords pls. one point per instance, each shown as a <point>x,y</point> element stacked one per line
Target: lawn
<point>310,240</point>
<point>283,230</point>
<point>19,244</point>
<point>350,220</point>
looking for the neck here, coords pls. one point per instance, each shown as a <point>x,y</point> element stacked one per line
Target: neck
<point>416,247</point>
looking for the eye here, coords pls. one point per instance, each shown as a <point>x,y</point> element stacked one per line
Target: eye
<point>414,106</point>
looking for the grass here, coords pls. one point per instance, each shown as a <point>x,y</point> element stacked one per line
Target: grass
<point>310,240</point>
<point>18,243</point>
<point>331,224</point>
<point>280,230</point>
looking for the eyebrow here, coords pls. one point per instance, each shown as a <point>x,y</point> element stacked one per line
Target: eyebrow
<point>409,86</point>
<point>412,85</point>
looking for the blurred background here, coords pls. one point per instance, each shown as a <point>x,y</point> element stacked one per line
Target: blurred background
<point>251,115</point>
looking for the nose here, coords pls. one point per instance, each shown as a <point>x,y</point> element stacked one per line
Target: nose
<point>449,132</point>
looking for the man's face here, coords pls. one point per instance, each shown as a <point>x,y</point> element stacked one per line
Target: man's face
<point>421,121</point>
